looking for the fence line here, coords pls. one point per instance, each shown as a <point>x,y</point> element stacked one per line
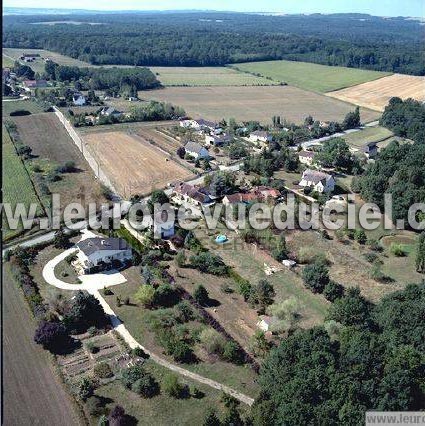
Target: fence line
<point>83,148</point>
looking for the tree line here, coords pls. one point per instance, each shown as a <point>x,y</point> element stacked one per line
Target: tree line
<point>201,39</point>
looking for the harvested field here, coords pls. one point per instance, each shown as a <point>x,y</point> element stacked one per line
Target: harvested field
<point>309,76</point>
<point>33,394</point>
<point>207,76</point>
<point>255,103</point>
<point>52,146</point>
<point>132,163</point>
<point>376,94</point>
<point>162,140</point>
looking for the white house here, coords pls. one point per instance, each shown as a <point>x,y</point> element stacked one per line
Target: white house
<point>215,140</point>
<point>306,157</point>
<point>319,181</point>
<point>264,323</point>
<point>260,136</point>
<point>196,150</point>
<point>78,99</point>
<point>100,253</point>
<point>199,124</point>
<point>110,112</point>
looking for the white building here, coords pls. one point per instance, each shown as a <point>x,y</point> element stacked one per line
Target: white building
<point>196,150</point>
<point>260,136</point>
<point>306,157</point>
<point>319,181</point>
<point>101,253</point>
<point>78,99</point>
<point>217,140</point>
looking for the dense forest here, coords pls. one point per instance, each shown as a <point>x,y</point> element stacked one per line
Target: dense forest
<point>369,357</point>
<point>406,119</point>
<point>212,38</point>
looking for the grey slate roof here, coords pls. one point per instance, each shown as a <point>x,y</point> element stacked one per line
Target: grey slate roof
<point>92,245</point>
<point>193,147</point>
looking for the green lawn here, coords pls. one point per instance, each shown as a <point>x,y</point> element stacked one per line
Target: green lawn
<point>12,105</point>
<point>163,409</point>
<point>17,186</point>
<point>367,135</point>
<point>207,76</point>
<point>309,76</point>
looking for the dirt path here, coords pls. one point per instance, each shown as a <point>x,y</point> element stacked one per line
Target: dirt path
<point>33,394</point>
<point>133,343</point>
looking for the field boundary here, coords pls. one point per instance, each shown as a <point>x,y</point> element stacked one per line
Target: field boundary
<point>83,148</point>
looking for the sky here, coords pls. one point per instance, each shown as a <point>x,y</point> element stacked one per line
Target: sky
<point>414,8</point>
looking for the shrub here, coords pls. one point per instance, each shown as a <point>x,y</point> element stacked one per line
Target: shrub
<point>19,112</point>
<point>184,312</point>
<point>95,406</point>
<point>52,335</point>
<point>371,257</point>
<point>231,352</point>
<point>146,386</point>
<point>107,291</point>
<point>182,352</point>
<point>397,250</point>
<point>333,291</point>
<point>68,167</point>
<point>145,295</point>
<point>316,276</point>
<point>374,245</point>
<point>172,386</point>
<point>201,295</point>
<point>307,255</point>
<point>212,341</point>
<point>131,374</point>
<point>139,352</point>
<point>103,370</point>
<point>84,388</point>
<point>207,262</point>
<point>92,348</point>
<point>181,259</point>
<point>360,236</point>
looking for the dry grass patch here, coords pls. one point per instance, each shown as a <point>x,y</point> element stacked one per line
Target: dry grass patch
<point>376,94</point>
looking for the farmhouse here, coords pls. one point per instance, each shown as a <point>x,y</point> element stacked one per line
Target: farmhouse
<point>306,157</point>
<point>217,140</point>
<point>96,254</point>
<point>370,150</point>
<point>196,150</point>
<point>33,84</point>
<point>29,57</point>
<point>184,193</point>
<point>259,193</point>
<point>199,124</point>
<point>321,182</point>
<point>78,99</point>
<point>260,136</point>
<point>110,112</point>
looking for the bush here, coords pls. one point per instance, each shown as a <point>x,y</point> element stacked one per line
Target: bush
<point>307,255</point>
<point>231,352</point>
<point>360,236</point>
<point>207,262</point>
<point>172,387</point>
<point>201,295</point>
<point>371,257</point>
<point>92,348</point>
<point>333,291</point>
<point>19,113</point>
<point>374,245</point>
<point>107,291</point>
<point>182,352</point>
<point>212,341</point>
<point>131,374</point>
<point>181,259</point>
<point>84,388</point>
<point>397,250</point>
<point>139,352</point>
<point>146,386</point>
<point>95,406</point>
<point>103,370</point>
<point>165,296</point>
<point>52,335</point>
<point>68,167</point>
<point>316,276</point>
<point>145,295</point>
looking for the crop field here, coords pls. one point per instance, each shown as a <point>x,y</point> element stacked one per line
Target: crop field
<point>13,54</point>
<point>207,76</point>
<point>132,163</point>
<point>309,76</point>
<point>33,393</point>
<point>376,94</point>
<point>255,103</point>
<point>163,141</point>
<point>52,146</point>
<point>17,185</point>
<point>367,135</point>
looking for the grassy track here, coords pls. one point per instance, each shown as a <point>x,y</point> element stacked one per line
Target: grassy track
<point>207,76</point>
<point>309,76</point>
<point>17,186</point>
<point>370,134</point>
<point>32,392</point>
